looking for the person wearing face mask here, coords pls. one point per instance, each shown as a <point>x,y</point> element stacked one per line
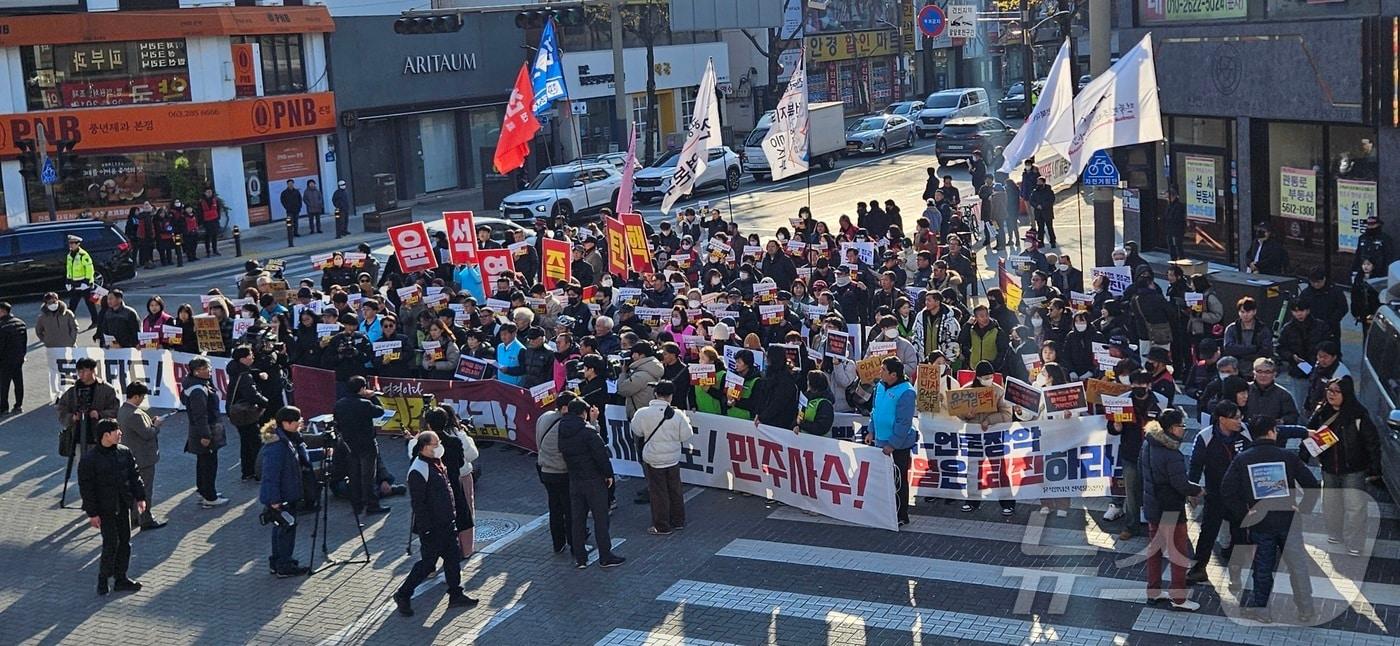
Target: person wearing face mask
<point>435,521</point>
<point>904,350</point>
<point>1024,341</point>
<point>1066,278</point>
<point>1266,255</point>
<point>1165,493</point>
<point>985,372</point>
<point>1346,463</point>
<point>1147,407</point>
<point>578,311</point>
<point>1120,257</point>
<point>284,461</point>
<point>744,281</point>
<point>1077,354</point>
<point>851,297</point>
<point>892,427</point>
<point>56,326</point>
<point>1159,365</point>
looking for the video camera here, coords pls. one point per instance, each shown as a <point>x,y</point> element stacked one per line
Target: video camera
<point>279,517</point>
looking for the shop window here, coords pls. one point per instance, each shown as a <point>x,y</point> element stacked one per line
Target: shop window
<point>1202,152</point>
<point>90,75</point>
<point>107,186</point>
<point>283,65</point>
<point>851,15</point>
<point>1309,165</point>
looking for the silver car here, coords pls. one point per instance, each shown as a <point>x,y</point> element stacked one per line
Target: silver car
<point>878,133</point>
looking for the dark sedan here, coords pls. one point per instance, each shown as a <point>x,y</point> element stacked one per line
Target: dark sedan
<point>961,136</point>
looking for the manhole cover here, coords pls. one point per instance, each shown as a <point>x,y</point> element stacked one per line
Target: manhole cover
<point>490,529</point>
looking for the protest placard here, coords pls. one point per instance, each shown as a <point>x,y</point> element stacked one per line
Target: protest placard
<point>470,368</point>
<point>1096,389</point>
<point>206,333</point>
<point>433,350</point>
<point>174,335</point>
<point>868,369</point>
<point>1065,397</point>
<point>770,314</point>
<point>411,295</point>
<point>148,340</point>
<point>702,374</point>
<point>1119,278</point>
<point>733,385</point>
<point>326,330</point>
<point>966,402</point>
<point>928,389</point>
<point>1118,409</point>
<point>837,344</point>
<point>1024,395</point>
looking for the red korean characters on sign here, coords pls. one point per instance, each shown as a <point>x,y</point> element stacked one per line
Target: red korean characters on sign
<point>412,246</point>
<point>494,264</point>
<point>461,236</point>
<point>557,269</point>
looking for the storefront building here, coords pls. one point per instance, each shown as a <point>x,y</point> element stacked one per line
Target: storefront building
<point>854,49</point>
<point>162,104</point>
<point>423,110</point>
<point>1277,114</point>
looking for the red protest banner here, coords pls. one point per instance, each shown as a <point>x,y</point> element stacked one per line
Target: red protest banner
<point>617,247</point>
<point>556,268</point>
<point>412,246</point>
<point>494,264</point>
<point>461,236</point>
<point>638,250</point>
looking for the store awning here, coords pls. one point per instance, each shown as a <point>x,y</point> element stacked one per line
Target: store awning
<point>113,26</point>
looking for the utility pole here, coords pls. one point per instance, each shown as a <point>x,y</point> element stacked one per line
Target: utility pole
<point>621,108</point>
<point>1105,238</point>
<point>1027,59</point>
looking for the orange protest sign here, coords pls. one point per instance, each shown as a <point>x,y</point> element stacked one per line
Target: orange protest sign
<point>617,247</point>
<point>556,267</point>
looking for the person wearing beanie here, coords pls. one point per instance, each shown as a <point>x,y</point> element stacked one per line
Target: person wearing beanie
<point>1147,406</point>
<point>1165,491</point>
<point>284,459</point>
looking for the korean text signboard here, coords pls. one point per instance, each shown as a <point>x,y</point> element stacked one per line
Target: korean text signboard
<point>1297,193</point>
<point>1200,188</point>
<point>1356,201</point>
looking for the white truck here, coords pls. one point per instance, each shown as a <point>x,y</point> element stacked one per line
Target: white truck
<point>826,139</point>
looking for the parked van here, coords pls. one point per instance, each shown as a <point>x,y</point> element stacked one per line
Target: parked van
<point>951,104</point>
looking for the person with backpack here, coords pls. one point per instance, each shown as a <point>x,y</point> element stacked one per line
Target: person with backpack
<point>664,432</point>
<point>553,471</point>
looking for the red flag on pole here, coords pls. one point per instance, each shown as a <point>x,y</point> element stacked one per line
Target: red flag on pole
<point>519,126</point>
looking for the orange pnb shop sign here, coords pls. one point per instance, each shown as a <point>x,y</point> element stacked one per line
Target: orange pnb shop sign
<point>155,127</point>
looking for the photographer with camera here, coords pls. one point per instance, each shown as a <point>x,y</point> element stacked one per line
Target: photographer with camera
<point>284,461</point>
<point>347,353</point>
<point>246,407</point>
<point>354,416</point>
<point>79,408</point>
<point>435,523</point>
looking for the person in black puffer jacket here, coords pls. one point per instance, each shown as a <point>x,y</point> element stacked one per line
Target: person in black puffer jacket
<point>590,475</point>
<point>536,361</point>
<point>14,342</point>
<point>776,393</point>
<point>435,523</point>
<point>1165,490</point>
<point>1346,463</point>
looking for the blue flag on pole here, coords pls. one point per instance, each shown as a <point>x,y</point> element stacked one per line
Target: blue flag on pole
<point>547,74</point>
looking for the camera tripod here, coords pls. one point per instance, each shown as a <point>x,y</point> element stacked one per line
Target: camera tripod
<point>321,524</point>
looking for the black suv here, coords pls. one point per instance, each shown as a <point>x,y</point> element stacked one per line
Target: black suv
<point>33,257</point>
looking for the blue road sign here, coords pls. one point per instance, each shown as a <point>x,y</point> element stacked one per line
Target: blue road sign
<point>1100,171</point>
<point>932,21</point>
<point>49,174</point>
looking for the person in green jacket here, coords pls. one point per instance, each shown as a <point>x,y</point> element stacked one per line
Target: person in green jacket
<point>710,399</point>
<point>818,415</point>
<point>744,406</point>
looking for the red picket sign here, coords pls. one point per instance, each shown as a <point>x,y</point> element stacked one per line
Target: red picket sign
<point>638,247</point>
<point>556,268</point>
<point>461,236</point>
<point>494,263</point>
<point>413,247</point>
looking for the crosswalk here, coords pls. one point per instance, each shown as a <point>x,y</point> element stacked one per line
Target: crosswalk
<point>956,578</point>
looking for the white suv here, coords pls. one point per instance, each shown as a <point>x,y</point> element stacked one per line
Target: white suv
<point>567,191</point>
<point>951,104</point>
<point>722,170</point>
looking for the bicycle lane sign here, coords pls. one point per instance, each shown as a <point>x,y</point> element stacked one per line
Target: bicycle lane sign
<point>1100,171</point>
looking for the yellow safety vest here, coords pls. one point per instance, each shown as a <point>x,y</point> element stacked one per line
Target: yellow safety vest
<point>79,267</point>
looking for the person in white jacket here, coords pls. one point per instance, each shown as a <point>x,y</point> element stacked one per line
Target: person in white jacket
<point>664,431</point>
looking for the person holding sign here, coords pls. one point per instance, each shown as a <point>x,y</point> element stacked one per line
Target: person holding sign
<point>1147,406</point>
<point>740,400</point>
<point>440,352</point>
<point>818,415</point>
<point>892,428</point>
<point>1345,463</point>
<point>1262,487</point>
<point>708,391</point>
<point>1001,415</point>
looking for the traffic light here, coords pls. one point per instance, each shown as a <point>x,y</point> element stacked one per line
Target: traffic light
<point>536,18</point>
<point>70,166</point>
<point>428,24</point>
<point>28,158</point>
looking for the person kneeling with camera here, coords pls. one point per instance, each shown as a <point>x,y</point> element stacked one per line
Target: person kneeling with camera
<point>284,459</point>
<point>435,523</point>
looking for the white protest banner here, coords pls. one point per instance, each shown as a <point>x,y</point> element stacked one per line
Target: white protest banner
<point>865,248</point>
<point>1119,278</point>
<point>1118,108</point>
<point>703,133</point>
<point>1074,458</point>
<point>160,370</point>
<point>842,480</point>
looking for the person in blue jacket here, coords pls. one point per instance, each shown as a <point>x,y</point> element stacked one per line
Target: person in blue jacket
<point>892,426</point>
<point>283,459</point>
<point>508,356</point>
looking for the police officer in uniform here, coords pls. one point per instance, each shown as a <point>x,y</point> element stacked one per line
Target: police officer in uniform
<point>80,275</point>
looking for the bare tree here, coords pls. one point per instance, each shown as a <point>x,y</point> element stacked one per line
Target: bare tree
<point>777,43</point>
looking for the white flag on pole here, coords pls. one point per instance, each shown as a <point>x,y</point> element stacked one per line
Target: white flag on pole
<point>703,132</point>
<point>785,146</point>
<point>1119,108</point>
<point>1055,99</point>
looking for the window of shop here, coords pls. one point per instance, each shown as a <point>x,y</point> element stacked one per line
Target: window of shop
<point>107,186</point>
<point>1309,165</point>
<point>1201,158</point>
<point>104,74</point>
<point>255,184</point>
<point>284,70</point>
<point>851,15</point>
